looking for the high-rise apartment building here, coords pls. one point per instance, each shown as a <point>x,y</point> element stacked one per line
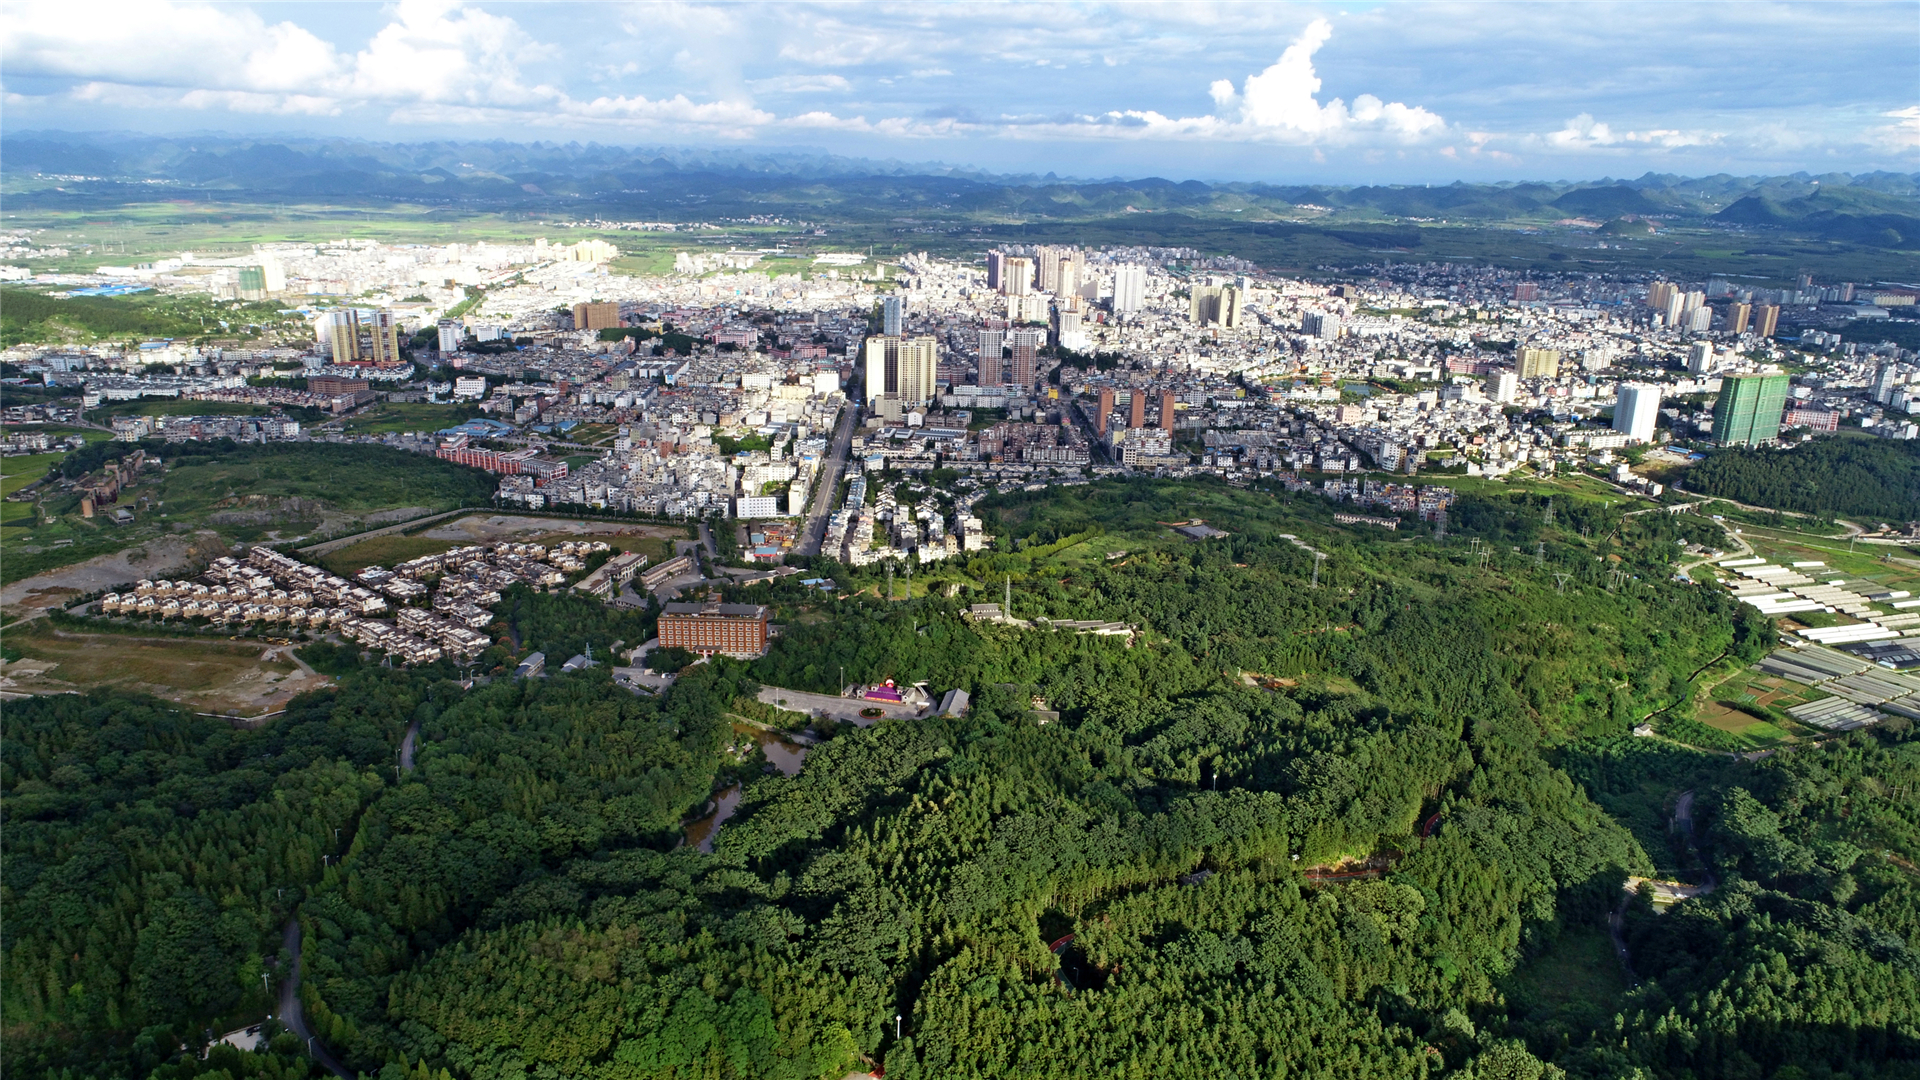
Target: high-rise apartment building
<point>1016,276</point>
<point>1748,412</point>
<point>1502,386</point>
<point>1700,357</point>
<point>1737,317</point>
<point>996,269</point>
<point>1672,310</point>
<point>907,368</point>
<point>343,334</point>
<point>1699,320</point>
<point>1659,293</point>
<point>386,338</point>
<point>1766,319</point>
<point>1636,408</point>
<point>1137,408</point>
<point>1885,378</point>
<point>1104,416</point>
<point>1215,305</point>
<point>1056,268</point>
<point>892,309</point>
<point>1324,325</point>
<point>1539,363</point>
<point>1166,410</point>
<point>596,316</point>
<point>1031,308</point>
<point>252,283</point>
<point>452,335</point>
<point>993,344</point>
<point>1129,289</point>
<point>1023,349</point>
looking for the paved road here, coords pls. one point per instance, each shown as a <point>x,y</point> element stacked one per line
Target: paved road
<point>290,1012</point>
<point>844,709</point>
<point>815,532</point>
<point>406,746</point>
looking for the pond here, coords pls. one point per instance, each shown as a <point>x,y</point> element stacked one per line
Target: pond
<point>784,754</point>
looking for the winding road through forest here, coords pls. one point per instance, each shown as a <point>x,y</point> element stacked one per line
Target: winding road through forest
<point>290,1012</point>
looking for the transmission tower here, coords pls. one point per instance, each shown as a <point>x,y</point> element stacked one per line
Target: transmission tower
<point>1562,586</point>
<point>1317,558</point>
<point>1539,552</point>
<point>1549,515</point>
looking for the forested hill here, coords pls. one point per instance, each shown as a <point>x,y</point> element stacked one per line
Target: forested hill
<point>1876,479</point>
<point>1372,827</point>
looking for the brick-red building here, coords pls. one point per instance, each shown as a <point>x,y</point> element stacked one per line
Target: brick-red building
<point>730,629</point>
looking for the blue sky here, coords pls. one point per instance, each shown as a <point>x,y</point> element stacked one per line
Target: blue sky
<point>1280,92</point>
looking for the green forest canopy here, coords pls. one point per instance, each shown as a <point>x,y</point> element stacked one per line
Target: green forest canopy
<point>1870,478</point>
<point>27,316</point>
<point>517,903</point>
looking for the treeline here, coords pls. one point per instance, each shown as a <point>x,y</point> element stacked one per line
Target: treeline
<point>1877,479</point>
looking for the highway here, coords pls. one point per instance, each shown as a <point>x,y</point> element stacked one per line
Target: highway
<point>829,483</point>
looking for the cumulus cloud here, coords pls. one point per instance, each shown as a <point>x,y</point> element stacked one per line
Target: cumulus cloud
<point>1583,132</point>
<point>741,71</point>
<point>1281,104</point>
<point>434,62</point>
<point>1282,101</point>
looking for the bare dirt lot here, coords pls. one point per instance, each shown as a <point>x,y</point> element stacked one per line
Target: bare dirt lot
<point>244,678</point>
<point>141,561</point>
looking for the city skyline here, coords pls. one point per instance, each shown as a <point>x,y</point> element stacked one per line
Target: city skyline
<point>1408,93</point>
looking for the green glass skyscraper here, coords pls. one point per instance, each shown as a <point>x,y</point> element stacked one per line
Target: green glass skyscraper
<point>1748,412</point>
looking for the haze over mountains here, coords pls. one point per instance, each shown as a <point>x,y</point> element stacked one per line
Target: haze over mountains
<point>1878,209</point>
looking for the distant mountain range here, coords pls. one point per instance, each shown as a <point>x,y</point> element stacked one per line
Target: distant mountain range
<point>678,183</point>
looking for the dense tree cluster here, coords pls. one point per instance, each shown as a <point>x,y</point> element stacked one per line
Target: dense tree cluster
<point>1284,830</point>
<point>1870,478</point>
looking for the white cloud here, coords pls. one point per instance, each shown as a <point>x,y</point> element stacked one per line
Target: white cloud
<point>435,51</point>
<point>737,71</point>
<point>1583,132</point>
<point>1901,136</point>
<point>1281,102</point>
<point>434,62</point>
<point>801,84</point>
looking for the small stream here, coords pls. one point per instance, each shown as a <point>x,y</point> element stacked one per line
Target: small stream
<point>700,833</point>
<point>783,753</point>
